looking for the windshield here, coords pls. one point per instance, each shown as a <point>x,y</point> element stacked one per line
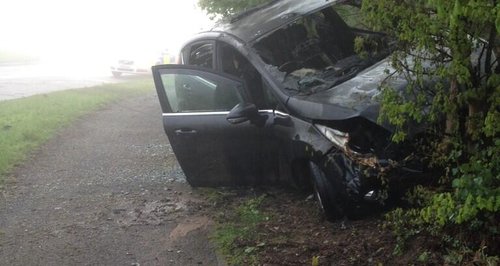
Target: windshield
<point>317,51</point>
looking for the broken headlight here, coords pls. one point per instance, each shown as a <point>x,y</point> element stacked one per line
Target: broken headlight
<point>338,138</point>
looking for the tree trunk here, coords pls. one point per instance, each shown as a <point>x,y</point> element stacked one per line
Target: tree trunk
<point>452,116</point>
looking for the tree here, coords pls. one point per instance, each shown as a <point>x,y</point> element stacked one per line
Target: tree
<point>448,51</point>
<point>227,8</point>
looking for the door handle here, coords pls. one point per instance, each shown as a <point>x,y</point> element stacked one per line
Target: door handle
<point>180,132</point>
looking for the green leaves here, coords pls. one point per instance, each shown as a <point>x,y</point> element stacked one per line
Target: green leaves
<point>446,51</point>
<point>235,233</point>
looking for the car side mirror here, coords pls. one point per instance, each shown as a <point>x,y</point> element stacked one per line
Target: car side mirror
<point>242,112</point>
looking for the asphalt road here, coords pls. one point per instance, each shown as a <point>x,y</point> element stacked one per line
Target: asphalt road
<point>21,80</point>
<point>107,190</point>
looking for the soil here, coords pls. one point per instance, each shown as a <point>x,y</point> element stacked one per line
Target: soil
<point>105,191</point>
<point>301,233</point>
<point>296,231</point>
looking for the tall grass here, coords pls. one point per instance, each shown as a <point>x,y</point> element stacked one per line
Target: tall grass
<point>26,123</point>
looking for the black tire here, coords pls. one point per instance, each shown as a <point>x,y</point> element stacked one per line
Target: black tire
<point>116,74</point>
<point>327,194</point>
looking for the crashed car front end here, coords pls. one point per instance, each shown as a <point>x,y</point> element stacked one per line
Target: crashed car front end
<point>368,163</point>
<point>337,86</point>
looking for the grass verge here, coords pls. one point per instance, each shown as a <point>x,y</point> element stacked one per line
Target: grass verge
<point>28,122</point>
<point>236,231</point>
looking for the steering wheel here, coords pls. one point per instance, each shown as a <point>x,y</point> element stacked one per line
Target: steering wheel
<point>311,54</point>
<point>306,48</point>
<point>289,66</point>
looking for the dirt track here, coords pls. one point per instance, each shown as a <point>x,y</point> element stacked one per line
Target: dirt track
<point>105,191</point>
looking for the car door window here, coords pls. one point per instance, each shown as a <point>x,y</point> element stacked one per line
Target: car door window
<point>196,91</point>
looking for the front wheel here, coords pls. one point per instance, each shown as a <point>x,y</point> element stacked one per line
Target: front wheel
<point>327,194</point>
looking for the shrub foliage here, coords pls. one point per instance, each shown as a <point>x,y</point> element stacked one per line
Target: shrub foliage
<point>448,52</point>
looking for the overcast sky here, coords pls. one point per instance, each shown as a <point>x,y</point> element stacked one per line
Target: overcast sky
<point>90,29</point>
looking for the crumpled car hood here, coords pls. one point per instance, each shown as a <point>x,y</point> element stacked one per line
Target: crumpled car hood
<point>355,97</point>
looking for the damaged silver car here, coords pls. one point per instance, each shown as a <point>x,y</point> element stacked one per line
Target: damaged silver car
<point>279,95</point>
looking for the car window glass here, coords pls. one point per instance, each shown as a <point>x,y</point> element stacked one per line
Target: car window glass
<point>317,51</point>
<point>197,93</point>
<point>315,41</point>
<point>202,55</point>
<point>234,63</point>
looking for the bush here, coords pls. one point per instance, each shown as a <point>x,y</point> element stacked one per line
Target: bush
<point>447,51</point>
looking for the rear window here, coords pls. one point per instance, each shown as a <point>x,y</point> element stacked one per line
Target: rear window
<point>202,54</point>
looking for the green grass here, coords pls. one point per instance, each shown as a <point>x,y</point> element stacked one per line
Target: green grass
<point>28,122</point>
<point>235,232</point>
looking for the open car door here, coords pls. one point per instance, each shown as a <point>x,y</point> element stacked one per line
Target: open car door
<point>195,103</point>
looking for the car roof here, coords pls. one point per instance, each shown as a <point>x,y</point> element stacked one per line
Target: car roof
<point>257,22</point>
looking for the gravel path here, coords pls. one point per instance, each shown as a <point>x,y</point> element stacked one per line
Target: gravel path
<point>105,191</point>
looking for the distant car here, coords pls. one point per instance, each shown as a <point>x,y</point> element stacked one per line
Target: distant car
<point>132,65</point>
<point>279,95</point>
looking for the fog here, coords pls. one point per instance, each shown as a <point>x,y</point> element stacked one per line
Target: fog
<point>86,35</point>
